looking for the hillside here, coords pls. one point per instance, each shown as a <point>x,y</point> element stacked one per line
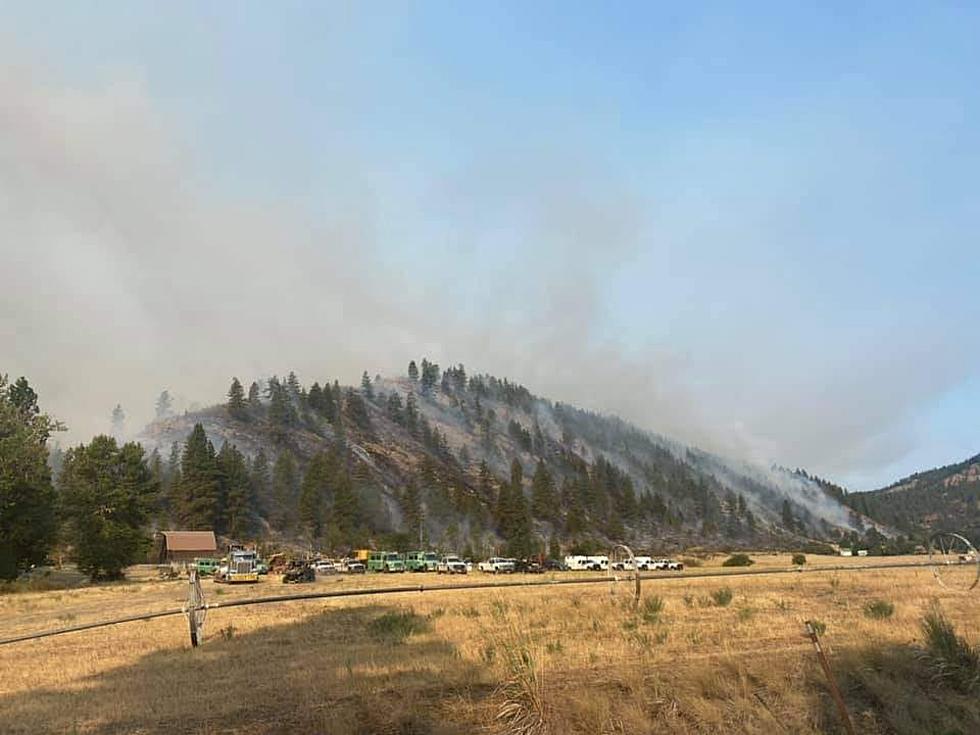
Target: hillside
<point>945,498</point>
<point>441,453</point>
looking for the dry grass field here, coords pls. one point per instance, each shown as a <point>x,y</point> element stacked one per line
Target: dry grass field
<point>702,655</point>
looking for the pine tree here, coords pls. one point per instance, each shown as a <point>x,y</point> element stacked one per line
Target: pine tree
<point>346,507</point>
<point>237,407</point>
<point>413,371</point>
<point>254,402</point>
<point>411,506</point>
<point>366,387</point>
<point>789,522</point>
<point>356,409</point>
<point>544,501</point>
<point>27,496</point>
<point>395,408</point>
<point>118,422</point>
<point>238,493</point>
<point>280,407</point>
<point>107,493</point>
<point>198,496</point>
<point>285,490</point>
<point>313,491</point>
<point>261,483</point>
<point>411,414</point>
<point>164,405</point>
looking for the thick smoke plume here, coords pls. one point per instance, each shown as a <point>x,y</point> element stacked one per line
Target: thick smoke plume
<point>125,272</point>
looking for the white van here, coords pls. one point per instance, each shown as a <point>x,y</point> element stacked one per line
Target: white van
<point>580,563</point>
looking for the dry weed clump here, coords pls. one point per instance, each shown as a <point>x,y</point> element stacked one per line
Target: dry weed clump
<point>951,659</point>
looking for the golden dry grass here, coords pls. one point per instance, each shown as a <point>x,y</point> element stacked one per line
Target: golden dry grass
<point>554,660</point>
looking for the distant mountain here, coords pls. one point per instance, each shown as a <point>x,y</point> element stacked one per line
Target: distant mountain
<point>440,454</point>
<point>945,498</point>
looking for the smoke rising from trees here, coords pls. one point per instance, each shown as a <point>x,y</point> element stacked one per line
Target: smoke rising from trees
<point>126,271</point>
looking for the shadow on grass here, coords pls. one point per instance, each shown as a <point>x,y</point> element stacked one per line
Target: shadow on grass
<point>350,670</point>
<point>890,689</point>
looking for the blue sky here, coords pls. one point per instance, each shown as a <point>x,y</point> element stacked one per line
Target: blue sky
<point>754,225</point>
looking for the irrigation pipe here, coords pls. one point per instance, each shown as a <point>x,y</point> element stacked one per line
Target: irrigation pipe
<point>451,587</point>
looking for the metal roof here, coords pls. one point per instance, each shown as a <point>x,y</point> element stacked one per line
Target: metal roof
<point>190,540</point>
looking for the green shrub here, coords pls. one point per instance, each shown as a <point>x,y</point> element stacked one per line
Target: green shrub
<point>738,560</point>
<point>879,609</point>
<point>799,559</point>
<point>722,597</point>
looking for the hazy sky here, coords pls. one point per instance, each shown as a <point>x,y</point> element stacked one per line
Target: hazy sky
<point>749,226</point>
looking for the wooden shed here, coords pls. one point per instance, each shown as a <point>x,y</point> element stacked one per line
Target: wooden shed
<point>185,546</point>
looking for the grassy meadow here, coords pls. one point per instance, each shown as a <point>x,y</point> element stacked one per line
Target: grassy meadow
<point>701,655</point>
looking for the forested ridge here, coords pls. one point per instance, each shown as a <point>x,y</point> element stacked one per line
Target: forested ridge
<point>465,462</point>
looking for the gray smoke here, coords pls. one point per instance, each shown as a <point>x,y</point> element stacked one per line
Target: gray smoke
<point>125,272</point>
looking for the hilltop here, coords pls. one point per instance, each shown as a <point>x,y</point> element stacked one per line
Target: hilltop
<point>944,498</point>
<point>479,461</point>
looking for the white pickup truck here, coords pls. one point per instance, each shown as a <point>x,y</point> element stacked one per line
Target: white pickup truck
<point>667,564</point>
<point>451,565</point>
<point>496,565</point>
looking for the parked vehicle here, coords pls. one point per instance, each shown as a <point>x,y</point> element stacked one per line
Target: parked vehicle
<point>206,566</point>
<point>421,561</point>
<point>581,563</point>
<point>385,561</point>
<point>238,567</point>
<point>325,566</point>
<point>496,565</point>
<point>528,566</point>
<point>553,565</point>
<point>298,571</point>
<point>451,565</point>
<point>352,566</point>
<point>261,567</point>
<point>666,565</point>
<point>642,563</point>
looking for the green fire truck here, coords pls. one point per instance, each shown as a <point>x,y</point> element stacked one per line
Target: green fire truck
<point>422,561</point>
<point>385,561</point>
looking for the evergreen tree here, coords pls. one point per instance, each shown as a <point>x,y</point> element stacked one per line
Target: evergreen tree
<point>315,398</point>
<point>107,494</point>
<point>357,410</point>
<point>346,510</point>
<point>285,489</point>
<point>544,500</point>
<point>413,371</point>
<point>280,406</point>
<point>164,406</point>
<point>293,387</point>
<point>118,421</point>
<point>554,548</point>
<point>312,496</point>
<point>27,496</point>
<point>238,492</point>
<point>411,506</point>
<point>395,408</point>
<point>254,402</point>
<point>789,522</point>
<point>237,407</point>
<point>198,496</point>
<point>411,414</point>
<point>366,387</point>
<point>261,483</point>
